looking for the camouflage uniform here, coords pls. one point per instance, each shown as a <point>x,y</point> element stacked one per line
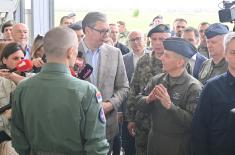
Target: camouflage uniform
<point>209,70</point>
<point>122,38</point>
<point>203,50</point>
<point>146,68</point>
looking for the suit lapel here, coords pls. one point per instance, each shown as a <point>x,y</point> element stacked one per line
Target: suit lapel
<point>132,62</point>
<point>103,62</point>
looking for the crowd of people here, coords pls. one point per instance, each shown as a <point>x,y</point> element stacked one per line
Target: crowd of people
<point>96,88</point>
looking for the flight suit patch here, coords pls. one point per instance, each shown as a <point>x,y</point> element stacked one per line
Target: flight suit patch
<point>98,97</point>
<point>176,96</point>
<point>102,118</point>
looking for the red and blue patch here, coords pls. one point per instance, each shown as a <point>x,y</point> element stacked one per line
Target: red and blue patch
<point>98,97</point>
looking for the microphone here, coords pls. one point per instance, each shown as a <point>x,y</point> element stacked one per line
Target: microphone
<point>85,72</point>
<point>73,73</point>
<point>23,66</point>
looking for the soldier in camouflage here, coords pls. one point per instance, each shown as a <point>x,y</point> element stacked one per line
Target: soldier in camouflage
<point>202,48</point>
<point>147,66</point>
<point>217,64</point>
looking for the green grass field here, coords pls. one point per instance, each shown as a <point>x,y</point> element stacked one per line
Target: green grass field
<point>145,17</point>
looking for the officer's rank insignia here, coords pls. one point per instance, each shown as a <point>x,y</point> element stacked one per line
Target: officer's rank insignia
<point>176,96</point>
<point>98,97</point>
<point>102,118</point>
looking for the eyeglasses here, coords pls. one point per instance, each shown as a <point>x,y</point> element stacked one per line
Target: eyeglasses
<point>102,32</point>
<point>137,39</point>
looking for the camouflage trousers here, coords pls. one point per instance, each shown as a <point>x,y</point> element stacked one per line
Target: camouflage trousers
<point>141,140</point>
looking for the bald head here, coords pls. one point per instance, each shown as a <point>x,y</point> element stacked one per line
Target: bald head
<point>58,40</point>
<point>137,40</point>
<point>20,34</point>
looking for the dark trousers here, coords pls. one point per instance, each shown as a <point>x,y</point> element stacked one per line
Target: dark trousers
<point>117,141</point>
<point>125,140</point>
<point>128,142</point>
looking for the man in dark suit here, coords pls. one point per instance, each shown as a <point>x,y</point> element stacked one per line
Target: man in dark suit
<point>114,36</point>
<point>191,34</point>
<point>109,73</point>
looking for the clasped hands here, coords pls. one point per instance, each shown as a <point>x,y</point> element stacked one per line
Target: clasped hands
<point>159,92</point>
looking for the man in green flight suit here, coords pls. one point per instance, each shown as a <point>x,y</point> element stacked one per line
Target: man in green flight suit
<point>54,113</point>
<point>170,99</point>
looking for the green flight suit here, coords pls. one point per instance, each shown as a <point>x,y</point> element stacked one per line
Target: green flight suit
<point>55,113</point>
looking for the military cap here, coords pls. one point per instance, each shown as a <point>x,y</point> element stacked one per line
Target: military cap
<point>76,26</point>
<point>216,29</point>
<point>159,29</point>
<point>180,46</point>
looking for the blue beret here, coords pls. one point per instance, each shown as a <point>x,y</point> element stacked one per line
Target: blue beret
<point>216,29</point>
<point>180,46</point>
<point>76,26</point>
<point>160,28</point>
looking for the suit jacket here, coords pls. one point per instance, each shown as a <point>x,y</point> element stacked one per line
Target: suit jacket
<point>124,49</point>
<point>112,82</point>
<point>129,64</point>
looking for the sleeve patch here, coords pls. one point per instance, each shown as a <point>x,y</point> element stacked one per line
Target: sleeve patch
<point>98,97</point>
<point>102,118</point>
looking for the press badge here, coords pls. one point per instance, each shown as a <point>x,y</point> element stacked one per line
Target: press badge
<point>98,97</point>
<point>102,118</point>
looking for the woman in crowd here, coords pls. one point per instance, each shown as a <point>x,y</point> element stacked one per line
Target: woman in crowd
<point>38,53</point>
<point>10,56</point>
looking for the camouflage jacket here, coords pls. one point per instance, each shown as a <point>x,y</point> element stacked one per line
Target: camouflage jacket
<point>146,68</point>
<point>209,70</point>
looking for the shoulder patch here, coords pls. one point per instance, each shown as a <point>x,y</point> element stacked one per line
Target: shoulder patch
<point>98,97</point>
<point>102,118</point>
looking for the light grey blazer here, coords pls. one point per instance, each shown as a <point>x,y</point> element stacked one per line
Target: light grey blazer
<point>112,82</point>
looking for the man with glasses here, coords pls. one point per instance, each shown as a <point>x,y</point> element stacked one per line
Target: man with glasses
<point>137,42</point>
<point>109,73</point>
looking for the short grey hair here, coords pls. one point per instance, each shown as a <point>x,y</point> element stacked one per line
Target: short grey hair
<point>91,18</point>
<point>227,39</point>
<point>58,40</point>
